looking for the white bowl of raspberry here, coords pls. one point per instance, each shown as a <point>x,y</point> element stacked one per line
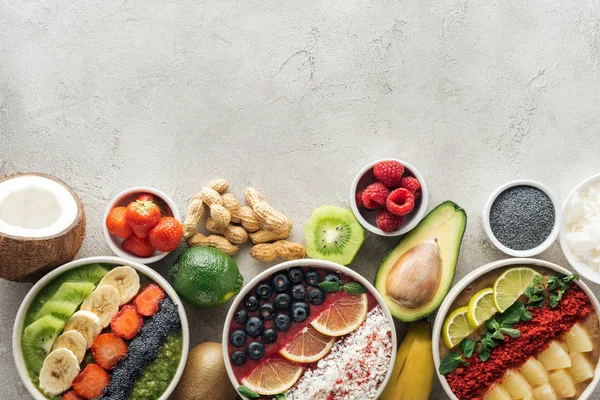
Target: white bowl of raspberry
<point>389,197</point>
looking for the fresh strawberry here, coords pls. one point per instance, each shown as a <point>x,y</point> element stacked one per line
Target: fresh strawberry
<point>145,197</point>
<point>142,216</point>
<point>108,349</point>
<point>148,301</point>
<point>71,395</point>
<point>127,322</point>
<point>166,235</point>
<point>91,382</point>
<point>138,246</point>
<point>116,223</point>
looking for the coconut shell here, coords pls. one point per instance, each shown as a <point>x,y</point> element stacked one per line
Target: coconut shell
<point>28,259</point>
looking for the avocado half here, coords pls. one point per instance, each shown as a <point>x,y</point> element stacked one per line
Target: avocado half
<point>442,230</point>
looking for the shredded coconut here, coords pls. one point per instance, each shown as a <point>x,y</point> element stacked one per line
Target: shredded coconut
<point>354,368</point>
<point>583,221</point>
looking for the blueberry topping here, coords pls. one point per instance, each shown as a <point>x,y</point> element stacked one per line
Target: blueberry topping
<point>238,357</point>
<point>267,311</point>
<point>256,350</point>
<point>237,338</point>
<point>296,275</point>
<point>254,326</point>
<point>280,282</point>
<point>251,303</point>
<point>269,336</point>
<point>300,311</point>
<point>312,278</point>
<point>282,322</point>
<point>316,296</point>
<point>241,316</point>
<point>283,301</point>
<point>298,292</point>
<point>263,290</point>
<point>332,278</point>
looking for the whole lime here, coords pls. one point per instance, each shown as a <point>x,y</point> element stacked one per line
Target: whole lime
<point>205,277</point>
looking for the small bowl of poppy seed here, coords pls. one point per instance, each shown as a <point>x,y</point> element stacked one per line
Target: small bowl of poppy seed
<point>522,218</point>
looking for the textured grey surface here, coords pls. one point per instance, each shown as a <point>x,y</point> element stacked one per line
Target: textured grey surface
<point>294,98</point>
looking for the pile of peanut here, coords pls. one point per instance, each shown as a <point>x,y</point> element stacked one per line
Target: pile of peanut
<point>231,224</point>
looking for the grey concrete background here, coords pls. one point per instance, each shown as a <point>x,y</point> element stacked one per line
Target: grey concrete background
<point>294,98</point>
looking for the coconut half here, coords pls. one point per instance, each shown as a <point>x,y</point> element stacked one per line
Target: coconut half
<point>42,225</point>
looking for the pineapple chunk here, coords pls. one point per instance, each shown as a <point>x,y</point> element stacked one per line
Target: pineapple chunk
<point>578,340</point>
<point>581,369</point>
<point>516,385</point>
<point>555,357</point>
<point>496,392</point>
<point>544,392</point>
<point>534,372</point>
<point>562,383</point>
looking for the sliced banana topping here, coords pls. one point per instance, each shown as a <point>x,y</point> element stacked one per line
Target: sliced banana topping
<point>74,341</point>
<point>58,371</point>
<point>125,279</point>
<point>87,323</point>
<point>104,302</point>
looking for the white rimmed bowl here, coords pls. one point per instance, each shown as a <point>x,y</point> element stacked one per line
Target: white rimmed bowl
<point>467,280</point>
<point>367,217</point>
<point>485,216</point>
<point>147,271</point>
<point>305,263</point>
<point>581,267</point>
<point>123,199</point>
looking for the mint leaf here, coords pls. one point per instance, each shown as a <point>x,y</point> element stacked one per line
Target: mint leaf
<point>329,287</point>
<point>247,392</point>
<point>537,280</point>
<point>450,362</point>
<point>570,278</point>
<point>552,283</point>
<point>498,335</point>
<point>492,324</point>
<point>553,300</point>
<point>484,354</point>
<point>280,396</point>
<point>513,333</point>
<point>353,288</point>
<point>468,347</point>
<point>526,315</point>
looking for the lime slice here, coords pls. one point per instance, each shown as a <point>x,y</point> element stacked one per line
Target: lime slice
<point>509,286</point>
<point>481,307</point>
<point>456,327</point>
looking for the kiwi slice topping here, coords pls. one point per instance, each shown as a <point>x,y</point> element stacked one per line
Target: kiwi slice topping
<point>333,233</point>
<point>37,341</point>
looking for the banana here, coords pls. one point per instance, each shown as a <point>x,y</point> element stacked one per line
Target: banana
<point>125,279</point>
<point>58,371</point>
<point>87,323</point>
<point>104,302</point>
<point>74,341</point>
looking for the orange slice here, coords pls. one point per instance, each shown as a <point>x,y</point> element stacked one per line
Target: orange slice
<point>273,376</point>
<point>308,346</point>
<point>343,316</point>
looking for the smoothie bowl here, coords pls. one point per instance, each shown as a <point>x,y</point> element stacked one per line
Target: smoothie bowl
<point>101,328</point>
<point>518,329</point>
<point>309,329</point>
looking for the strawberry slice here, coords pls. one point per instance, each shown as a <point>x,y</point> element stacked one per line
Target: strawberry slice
<point>71,395</point>
<point>91,382</point>
<point>148,301</point>
<point>108,349</point>
<point>127,322</point>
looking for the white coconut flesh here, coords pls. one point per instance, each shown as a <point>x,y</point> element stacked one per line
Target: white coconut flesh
<point>33,206</point>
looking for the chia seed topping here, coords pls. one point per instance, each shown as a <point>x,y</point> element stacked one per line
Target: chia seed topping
<point>355,367</point>
<point>522,217</point>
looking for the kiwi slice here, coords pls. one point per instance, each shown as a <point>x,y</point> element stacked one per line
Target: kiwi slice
<point>333,233</point>
<point>91,273</point>
<point>37,341</point>
<point>65,301</point>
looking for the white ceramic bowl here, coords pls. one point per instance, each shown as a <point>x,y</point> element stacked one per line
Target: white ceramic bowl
<point>123,199</point>
<point>147,271</point>
<point>485,216</point>
<point>367,217</point>
<point>582,268</point>
<point>305,263</point>
<point>467,280</point>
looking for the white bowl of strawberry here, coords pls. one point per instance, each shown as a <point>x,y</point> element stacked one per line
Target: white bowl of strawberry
<point>389,197</point>
<point>142,224</point>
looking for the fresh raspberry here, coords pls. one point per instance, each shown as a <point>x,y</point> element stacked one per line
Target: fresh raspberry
<point>359,199</point>
<point>412,184</point>
<point>400,202</point>
<point>374,195</point>
<point>389,173</point>
<point>388,222</point>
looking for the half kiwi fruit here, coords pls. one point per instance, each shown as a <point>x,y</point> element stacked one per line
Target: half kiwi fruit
<point>333,234</point>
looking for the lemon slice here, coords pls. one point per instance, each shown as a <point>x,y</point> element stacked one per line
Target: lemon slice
<point>343,316</point>
<point>272,377</point>
<point>509,286</point>
<point>308,346</point>
<point>456,327</point>
<point>481,307</point>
